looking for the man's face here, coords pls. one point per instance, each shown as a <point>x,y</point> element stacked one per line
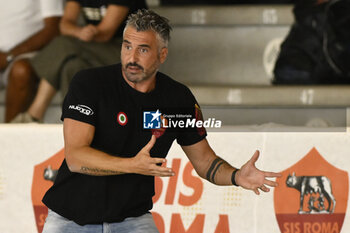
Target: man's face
<point>140,55</point>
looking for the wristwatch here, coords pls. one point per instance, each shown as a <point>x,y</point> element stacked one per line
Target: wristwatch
<point>9,58</point>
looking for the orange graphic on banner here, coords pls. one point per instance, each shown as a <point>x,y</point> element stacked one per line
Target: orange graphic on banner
<point>44,175</point>
<point>197,225</point>
<point>312,196</point>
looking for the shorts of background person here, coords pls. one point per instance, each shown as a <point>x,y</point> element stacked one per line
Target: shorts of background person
<point>65,56</point>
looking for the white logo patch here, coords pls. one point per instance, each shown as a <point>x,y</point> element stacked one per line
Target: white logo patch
<point>82,109</point>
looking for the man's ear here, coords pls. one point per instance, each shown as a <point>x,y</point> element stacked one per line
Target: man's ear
<point>163,55</point>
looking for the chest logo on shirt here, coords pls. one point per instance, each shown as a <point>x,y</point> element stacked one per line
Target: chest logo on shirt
<point>95,14</point>
<point>122,118</point>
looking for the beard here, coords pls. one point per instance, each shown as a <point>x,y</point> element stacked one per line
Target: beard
<point>141,74</point>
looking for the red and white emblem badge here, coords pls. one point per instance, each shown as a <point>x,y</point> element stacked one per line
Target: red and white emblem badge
<point>122,118</point>
<point>312,197</point>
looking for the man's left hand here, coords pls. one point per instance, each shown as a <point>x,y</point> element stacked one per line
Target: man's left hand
<point>249,177</point>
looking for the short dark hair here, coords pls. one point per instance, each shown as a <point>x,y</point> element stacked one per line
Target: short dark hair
<point>144,19</point>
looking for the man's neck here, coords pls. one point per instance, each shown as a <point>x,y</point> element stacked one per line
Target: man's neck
<point>144,86</point>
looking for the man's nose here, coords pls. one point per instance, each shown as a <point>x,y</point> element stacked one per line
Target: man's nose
<point>134,57</point>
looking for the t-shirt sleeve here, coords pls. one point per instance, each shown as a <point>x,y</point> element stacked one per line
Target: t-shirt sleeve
<point>81,100</point>
<point>51,8</point>
<point>191,135</point>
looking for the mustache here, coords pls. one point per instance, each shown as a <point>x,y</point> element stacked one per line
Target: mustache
<point>134,64</point>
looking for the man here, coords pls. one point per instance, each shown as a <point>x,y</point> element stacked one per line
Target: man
<point>80,47</point>
<point>107,178</point>
<point>26,27</point>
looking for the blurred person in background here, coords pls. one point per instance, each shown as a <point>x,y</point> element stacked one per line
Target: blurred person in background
<point>26,27</point>
<point>95,44</point>
<point>317,48</point>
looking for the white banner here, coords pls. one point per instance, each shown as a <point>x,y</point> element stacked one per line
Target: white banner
<point>186,203</point>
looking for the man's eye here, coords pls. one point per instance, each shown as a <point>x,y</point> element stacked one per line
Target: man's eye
<point>143,50</point>
<point>128,47</point>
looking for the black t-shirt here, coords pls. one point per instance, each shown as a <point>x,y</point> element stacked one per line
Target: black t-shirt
<point>101,97</point>
<point>94,10</point>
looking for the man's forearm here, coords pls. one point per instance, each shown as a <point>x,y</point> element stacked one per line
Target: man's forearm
<point>68,28</point>
<point>89,161</point>
<point>220,172</point>
<point>113,19</point>
<point>208,165</point>
<point>105,34</point>
<point>98,171</point>
<point>39,39</point>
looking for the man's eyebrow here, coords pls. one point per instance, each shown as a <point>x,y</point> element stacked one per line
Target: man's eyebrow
<point>144,45</point>
<point>141,45</point>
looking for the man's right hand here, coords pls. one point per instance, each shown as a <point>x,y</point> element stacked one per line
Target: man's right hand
<point>144,164</point>
<point>87,33</point>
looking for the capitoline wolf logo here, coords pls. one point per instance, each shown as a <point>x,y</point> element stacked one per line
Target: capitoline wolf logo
<point>312,196</point>
<point>318,187</point>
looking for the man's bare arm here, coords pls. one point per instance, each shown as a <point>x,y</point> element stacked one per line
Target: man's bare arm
<point>216,170</point>
<point>102,32</point>
<point>34,42</point>
<point>82,158</point>
<point>207,164</point>
<point>39,39</point>
<point>69,22</point>
<point>114,17</point>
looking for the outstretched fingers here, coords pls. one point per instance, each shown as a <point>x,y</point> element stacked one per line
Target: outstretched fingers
<point>146,165</point>
<point>270,183</point>
<point>256,191</point>
<point>150,144</point>
<point>162,171</point>
<point>254,158</point>
<point>165,173</point>
<point>272,174</point>
<point>264,188</point>
<point>255,179</point>
<point>157,160</point>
